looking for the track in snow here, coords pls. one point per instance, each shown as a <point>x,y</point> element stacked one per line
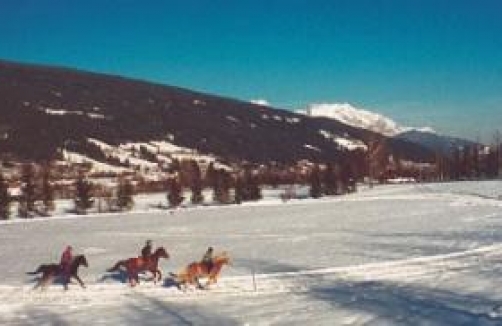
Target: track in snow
<point>399,271</point>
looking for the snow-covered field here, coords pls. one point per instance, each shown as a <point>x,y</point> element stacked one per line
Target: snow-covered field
<point>392,255</point>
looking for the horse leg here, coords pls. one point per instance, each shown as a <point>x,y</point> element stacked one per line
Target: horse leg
<point>180,280</point>
<point>39,283</point>
<point>160,274</point>
<point>46,279</point>
<point>129,278</point>
<point>199,286</point>
<point>45,283</point>
<point>208,282</point>
<point>154,275</point>
<point>154,272</point>
<point>79,281</point>
<point>133,277</point>
<point>157,275</point>
<point>212,278</point>
<point>185,285</point>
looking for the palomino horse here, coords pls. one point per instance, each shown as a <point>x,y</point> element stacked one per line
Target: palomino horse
<point>136,265</point>
<point>192,273</point>
<point>50,271</point>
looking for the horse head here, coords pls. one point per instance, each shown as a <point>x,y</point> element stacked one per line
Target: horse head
<point>161,253</point>
<point>222,259</point>
<point>81,260</point>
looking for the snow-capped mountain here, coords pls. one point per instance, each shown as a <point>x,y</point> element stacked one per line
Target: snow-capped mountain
<point>352,116</point>
<point>44,110</point>
<point>359,118</point>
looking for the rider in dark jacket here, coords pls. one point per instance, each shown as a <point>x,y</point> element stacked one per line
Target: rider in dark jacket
<point>146,252</point>
<point>207,259</point>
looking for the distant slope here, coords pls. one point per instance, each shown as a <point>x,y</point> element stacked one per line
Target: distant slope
<point>435,142</point>
<point>43,109</point>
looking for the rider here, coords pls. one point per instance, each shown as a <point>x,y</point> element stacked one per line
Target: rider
<point>146,252</point>
<point>65,263</point>
<point>207,259</point>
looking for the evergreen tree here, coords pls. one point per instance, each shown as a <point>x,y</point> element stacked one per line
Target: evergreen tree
<point>211,176</point>
<point>174,196</point>
<point>351,185</point>
<point>376,156</point>
<point>125,193</point>
<point>442,171</point>
<point>83,195</point>
<point>456,164</point>
<point>476,165</point>
<point>47,191</point>
<point>491,165</point>
<point>466,163</point>
<point>4,198</point>
<point>239,190</point>
<point>27,199</point>
<point>344,178</point>
<point>252,190</point>
<point>222,187</point>
<point>331,180</point>
<point>196,183</point>
<point>175,166</point>
<point>315,182</point>
<point>497,139</point>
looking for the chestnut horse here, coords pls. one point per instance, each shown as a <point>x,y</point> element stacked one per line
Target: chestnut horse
<point>192,273</point>
<point>136,265</point>
<point>51,271</point>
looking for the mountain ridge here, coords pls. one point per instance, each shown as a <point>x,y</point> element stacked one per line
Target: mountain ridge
<point>44,109</point>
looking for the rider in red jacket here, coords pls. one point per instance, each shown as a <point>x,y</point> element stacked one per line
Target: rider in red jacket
<point>66,259</point>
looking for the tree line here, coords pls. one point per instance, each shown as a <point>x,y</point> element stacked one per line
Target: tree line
<point>38,187</point>
<point>470,162</point>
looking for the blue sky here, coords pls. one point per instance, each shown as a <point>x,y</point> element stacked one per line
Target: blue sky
<point>422,62</point>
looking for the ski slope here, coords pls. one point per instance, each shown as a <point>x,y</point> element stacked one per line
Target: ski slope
<point>392,255</point>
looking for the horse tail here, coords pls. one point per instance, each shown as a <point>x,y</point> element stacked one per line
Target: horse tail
<point>37,271</point>
<point>180,277</point>
<point>117,266</point>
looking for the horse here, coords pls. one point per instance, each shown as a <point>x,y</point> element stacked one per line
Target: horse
<point>195,270</point>
<point>139,264</point>
<point>51,271</point>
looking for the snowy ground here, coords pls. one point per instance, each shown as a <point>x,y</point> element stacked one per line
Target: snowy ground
<point>393,255</point>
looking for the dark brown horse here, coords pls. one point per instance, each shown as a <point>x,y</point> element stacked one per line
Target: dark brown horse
<point>192,273</point>
<point>136,265</point>
<point>51,271</point>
